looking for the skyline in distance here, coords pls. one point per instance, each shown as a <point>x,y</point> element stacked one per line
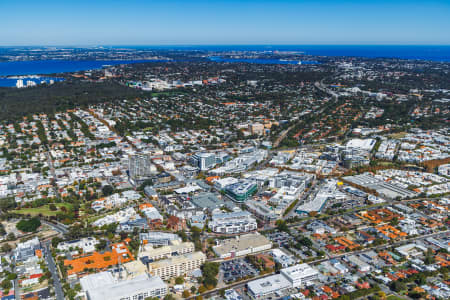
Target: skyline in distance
<point>138,22</point>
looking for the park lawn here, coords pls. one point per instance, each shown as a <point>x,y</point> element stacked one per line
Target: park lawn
<point>44,210</point>
<point>398,135</point>
<point>385,163</point>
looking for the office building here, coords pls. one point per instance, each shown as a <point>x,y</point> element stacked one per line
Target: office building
<point>204,161</point>
<point>234,222</point>
<point>19,83</point>
<point>177,265</point>
<point>158,238</point>
<point>262,288</point>
<point>85,244</point>
<point>291,277</point>
<point>140,167</point>
<point>150,254</point>
<point>103,286</point>
<point>27,249</point>
<point>300,275</point>
<point>241,190</point>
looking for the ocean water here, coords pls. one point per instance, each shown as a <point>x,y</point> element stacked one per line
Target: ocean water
<point>57,66</point>
<point>429,53</point>
<point>42,67</point>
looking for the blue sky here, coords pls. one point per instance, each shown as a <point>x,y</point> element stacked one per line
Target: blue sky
<point>147,22</point>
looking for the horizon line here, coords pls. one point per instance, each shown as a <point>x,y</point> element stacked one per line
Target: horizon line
<point>229,45</point>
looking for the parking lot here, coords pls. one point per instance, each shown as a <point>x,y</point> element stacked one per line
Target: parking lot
<point>236,270</point>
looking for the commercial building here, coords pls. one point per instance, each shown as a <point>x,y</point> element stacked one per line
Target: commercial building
<point>387,189</point>
<point>299,275</point>
<point>207,201</point>
<point>282,258</point>
<point>158,238</point>
<point>122,216</point>
<point>443,242</point>
<point>291,277</point>
<point>257,128</point>
<point>317,202</point>
<point>86,244</point>
<point>289,186</point>
<point>140,167</point>
<point>358,263</point>
<point>263,287</point>
<point>363,144</point>
<point>224,182</point>
<point>204,161</point>
<point>150,212</point>
<point>150,254</point>
<point>241,190</point>
<point>103,286</point>
<point>248,158</point>
<point>262,211</point>
<point>234,222</point>
<point>27,249</point>
<point>177,265</point>
<point>19,83</point>
<point>242,245</point>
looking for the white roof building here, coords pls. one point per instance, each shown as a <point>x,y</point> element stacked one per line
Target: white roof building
<point>102,286</point>
<point>234,222</point>
<point>363,144</point>
<point>242,245</point>
<point>86,244</point>
<point>263,287</point>
<point>299,275</point>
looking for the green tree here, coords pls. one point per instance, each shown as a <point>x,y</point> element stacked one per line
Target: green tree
<point>30,225</point>
<point>186,294</point>
<point>169,297</point>
<point>179,280</point>
<point>107,190</point>
<point>6,284</point>
<point>6,247</point>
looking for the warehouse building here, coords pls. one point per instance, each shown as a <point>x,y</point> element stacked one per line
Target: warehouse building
<point>242,245</point>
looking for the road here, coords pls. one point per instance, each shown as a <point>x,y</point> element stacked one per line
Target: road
<point>16,281</point>
<point>244,282</point>
<point>324,217</point>
<point>52,268</point>
<point>60,228</point>
<point>282,136</point>
<point>52,170</point>
<point>321,86</point>
<point>381,246</point>
<point>302,198</point>
<point>235,285</point>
